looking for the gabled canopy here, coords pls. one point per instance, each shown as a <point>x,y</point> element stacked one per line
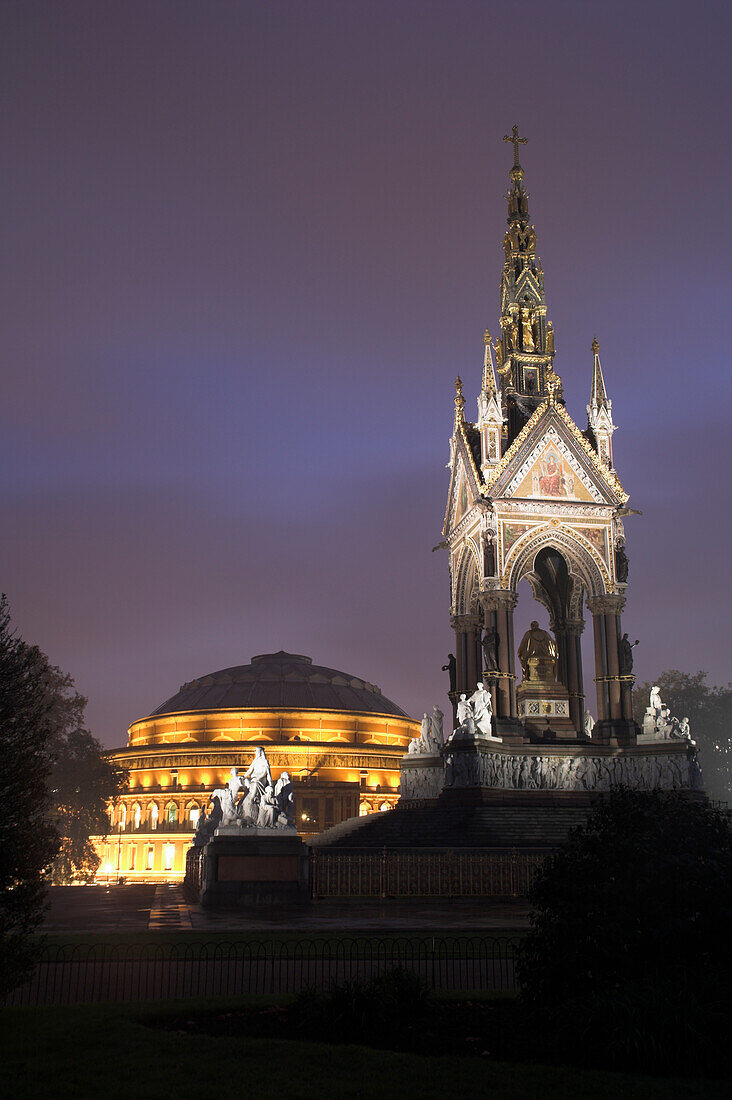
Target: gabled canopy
<point>551,459</point>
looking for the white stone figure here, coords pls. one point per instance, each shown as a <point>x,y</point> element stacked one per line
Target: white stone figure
<point>649,722</point>
<point>284,796</point>
<point>258,770</point>
<point>482,707</point>
<point>588,723</point>
<point>437,727</point>
<point>267,808</point>
<point>234,784</point>
<point>257,779</point>
<point>413,745</point>
<point>228,805</point>
<point>424,733</point>
<point>465,717</point>
<point>655,706</point>
<point>684,731</point>
<point>249,803</point>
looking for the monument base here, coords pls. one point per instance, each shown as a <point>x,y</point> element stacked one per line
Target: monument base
<point>544,705</point>
<point>254,867</point>
<point>480,769</point>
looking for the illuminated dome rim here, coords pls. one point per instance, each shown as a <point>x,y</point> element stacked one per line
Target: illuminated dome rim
<point>279,681</point>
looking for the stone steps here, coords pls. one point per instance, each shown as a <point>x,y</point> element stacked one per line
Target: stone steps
<point>503,826</point>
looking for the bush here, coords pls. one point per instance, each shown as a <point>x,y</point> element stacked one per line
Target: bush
<point>379,1012</point>
<point>630,941</point>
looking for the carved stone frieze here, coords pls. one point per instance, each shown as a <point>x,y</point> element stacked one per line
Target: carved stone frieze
<point>422,778</point>
<point>569,508</point>
<point>475,766</point>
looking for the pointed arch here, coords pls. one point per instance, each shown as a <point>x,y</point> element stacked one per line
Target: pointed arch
<point>582,559</point>
<point>466,583</point>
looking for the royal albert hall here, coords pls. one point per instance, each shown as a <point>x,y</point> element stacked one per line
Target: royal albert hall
<point>339,738</point>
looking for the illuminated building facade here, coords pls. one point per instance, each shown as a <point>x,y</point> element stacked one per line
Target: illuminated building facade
<point>339,738</point>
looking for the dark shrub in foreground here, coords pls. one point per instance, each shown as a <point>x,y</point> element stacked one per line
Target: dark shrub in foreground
<point>628,959</point>
<point>379,1012</point>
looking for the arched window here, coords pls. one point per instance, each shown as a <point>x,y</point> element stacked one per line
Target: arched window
<point>364,808</point>
<point>137,815</point>
<point>171,814</point>
<point>383,807</point>
<point>122,816</point>
<point>194,812</point>
<point>154,812</point>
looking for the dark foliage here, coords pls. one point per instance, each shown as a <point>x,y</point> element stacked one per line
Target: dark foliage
<point>379,1012</point>
<point>28,837</point>
<point>629,954</point>
<point>709,710</point>
<point>82,781</point>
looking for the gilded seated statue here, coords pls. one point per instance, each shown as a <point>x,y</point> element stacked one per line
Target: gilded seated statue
<point>538,655</point>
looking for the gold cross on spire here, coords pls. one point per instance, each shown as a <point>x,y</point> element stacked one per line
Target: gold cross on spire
<point>515,141</point>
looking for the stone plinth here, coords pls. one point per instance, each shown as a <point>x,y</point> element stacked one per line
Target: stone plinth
<point>422,776</point>
<point>482,769</point>
<point>254,867</point>
<point>543,703</point>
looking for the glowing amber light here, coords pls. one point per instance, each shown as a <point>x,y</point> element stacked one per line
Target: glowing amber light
<point>334,751</point>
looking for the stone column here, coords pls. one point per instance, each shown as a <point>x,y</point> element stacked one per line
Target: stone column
<point>568,634</point>
<point>606,622</point>
<point>465,627</point>
<point>498,606</point>
<point>603,704</point>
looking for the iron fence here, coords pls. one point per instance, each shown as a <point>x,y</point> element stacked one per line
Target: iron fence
<point>408,873</point>
<point>86,973</point>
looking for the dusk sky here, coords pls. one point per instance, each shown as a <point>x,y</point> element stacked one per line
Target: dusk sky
<point>247,248</point>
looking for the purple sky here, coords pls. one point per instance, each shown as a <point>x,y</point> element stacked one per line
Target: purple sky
<point>248,246</point>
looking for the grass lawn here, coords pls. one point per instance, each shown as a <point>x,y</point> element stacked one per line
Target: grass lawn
<point>109,1053</point>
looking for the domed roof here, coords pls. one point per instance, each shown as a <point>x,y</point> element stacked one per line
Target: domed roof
<point>280,680</point>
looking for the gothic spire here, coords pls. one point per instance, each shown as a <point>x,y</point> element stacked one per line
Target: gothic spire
<point>600,425</point>
<point>598,395</point>
<point>525,353</point>
<point>489,376</point>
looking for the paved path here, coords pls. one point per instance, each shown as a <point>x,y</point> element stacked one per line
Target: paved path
<point>111,909</point>
<point>169,911</point>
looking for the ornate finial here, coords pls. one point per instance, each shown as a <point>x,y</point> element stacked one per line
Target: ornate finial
<point>459,399</point>
<point>553,386</point>
<point>515,141</point>
<point>489,378</point>
<point>595,347</point>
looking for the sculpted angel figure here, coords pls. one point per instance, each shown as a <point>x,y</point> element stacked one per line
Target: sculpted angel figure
<point>482,708</point>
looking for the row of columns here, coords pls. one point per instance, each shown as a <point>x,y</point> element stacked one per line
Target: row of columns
<point>613,689</point>
<point>568,633</point>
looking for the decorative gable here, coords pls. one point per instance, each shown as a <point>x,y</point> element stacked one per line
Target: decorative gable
<point>464,484</point>
<point>550,459</point>
<point>553,472</point>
